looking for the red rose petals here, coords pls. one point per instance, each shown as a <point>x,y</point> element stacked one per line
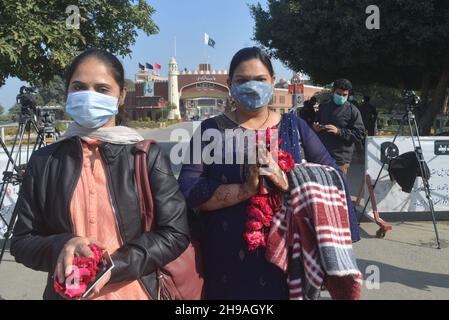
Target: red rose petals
<point>85,271</point>
<point>255,239</point>
<point>285,161</point>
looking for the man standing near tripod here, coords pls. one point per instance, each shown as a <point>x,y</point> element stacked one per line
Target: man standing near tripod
<point>339,124</point>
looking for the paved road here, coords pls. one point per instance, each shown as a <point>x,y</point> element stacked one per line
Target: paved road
<point>170,134</point>
<point>408,265</point>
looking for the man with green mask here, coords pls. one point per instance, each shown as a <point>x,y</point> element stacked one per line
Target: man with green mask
<point>339,124</point>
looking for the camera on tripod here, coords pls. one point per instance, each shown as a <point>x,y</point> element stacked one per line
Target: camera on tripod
<point>47,116</point>
<point>405,168</point>
<point>411,100</point>
<point>27,99</point>
<point>36,129</point>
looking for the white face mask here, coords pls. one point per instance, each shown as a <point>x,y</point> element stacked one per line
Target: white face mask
<point>91,109</point>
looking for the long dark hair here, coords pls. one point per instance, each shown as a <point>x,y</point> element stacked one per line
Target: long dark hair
<point>250,53</point>
<point>110,60</point>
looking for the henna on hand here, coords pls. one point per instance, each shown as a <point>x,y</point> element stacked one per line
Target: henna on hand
<point>226,196</point>
<point>275,174</point>
<point>243,194</point>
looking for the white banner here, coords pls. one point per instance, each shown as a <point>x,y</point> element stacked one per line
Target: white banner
<point>148,88</point>
<point>389,195</point>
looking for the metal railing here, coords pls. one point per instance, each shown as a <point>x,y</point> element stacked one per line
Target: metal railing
<point>16,124</point>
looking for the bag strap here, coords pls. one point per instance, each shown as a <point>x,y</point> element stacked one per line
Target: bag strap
<point>143,183</point>
<point>147,205</point>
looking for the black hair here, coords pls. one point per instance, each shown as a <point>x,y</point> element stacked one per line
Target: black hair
<point>313,99</point>
<point>250,53</point>
<point>366,98</point>
<point>343,84</point>
<point>104,56</point>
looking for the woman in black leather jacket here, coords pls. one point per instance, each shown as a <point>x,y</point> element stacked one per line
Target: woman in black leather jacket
<point>82,190</point>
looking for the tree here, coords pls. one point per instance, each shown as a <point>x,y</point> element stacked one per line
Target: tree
<point>130,85</point>
<point>282,84</point>
<point>2,109</point>
<point>163,112</point>
<point>51,93</point>
<point>14,111</point>
<point>36,43</point>
<point>382,97</point>
<point>329,39</point>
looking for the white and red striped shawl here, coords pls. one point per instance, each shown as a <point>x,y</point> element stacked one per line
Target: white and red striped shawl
<point>310,237</point>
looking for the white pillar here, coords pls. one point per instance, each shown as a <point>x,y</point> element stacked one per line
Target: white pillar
<point>173,90</point>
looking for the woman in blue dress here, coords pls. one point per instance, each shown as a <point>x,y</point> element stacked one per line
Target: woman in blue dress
<point>218,193</point>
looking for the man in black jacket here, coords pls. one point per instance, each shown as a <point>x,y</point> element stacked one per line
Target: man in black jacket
<point>339,124</point>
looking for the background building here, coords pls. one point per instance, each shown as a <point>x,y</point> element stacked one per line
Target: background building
<point>191,94</point>
<point>282,101</point>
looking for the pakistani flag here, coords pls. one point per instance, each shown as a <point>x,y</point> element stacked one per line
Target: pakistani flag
<point>208,41</point>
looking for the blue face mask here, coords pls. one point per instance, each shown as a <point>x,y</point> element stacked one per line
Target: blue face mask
<point>91,109</point>
<point>339,100</point>
<point>252,95</point>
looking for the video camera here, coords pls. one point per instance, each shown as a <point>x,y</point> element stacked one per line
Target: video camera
<point>47,114</point>
<point>47,118</point>
<point>27,99</point>
<point>411,100</point>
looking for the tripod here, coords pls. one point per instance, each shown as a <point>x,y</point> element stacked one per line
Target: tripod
<point>411,101</point>
<point>15,167</point>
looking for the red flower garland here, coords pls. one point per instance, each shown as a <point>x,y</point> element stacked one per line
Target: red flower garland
<point>285,161</point>
<point>261,207</point>
<point>87,271</point>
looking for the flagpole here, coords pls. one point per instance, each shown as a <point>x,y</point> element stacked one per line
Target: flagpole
<point>175,46</point>
<point>207,62</point>
<point>205,47</point>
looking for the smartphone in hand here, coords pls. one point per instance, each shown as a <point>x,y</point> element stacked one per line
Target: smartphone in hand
<point>108,265</point>
<point>318,127</point>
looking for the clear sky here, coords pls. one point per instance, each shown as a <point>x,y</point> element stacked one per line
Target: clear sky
<point>228,22</point>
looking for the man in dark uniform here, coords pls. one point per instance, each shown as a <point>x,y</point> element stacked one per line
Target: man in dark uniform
<point>339,124</point>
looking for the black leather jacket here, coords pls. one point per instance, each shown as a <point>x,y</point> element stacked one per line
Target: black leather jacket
<point>44,220</point>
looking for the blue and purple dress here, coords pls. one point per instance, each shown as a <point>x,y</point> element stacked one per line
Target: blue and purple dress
<point>230,270</point>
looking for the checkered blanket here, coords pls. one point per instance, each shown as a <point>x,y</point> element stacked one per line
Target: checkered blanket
<point>310,237</point>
